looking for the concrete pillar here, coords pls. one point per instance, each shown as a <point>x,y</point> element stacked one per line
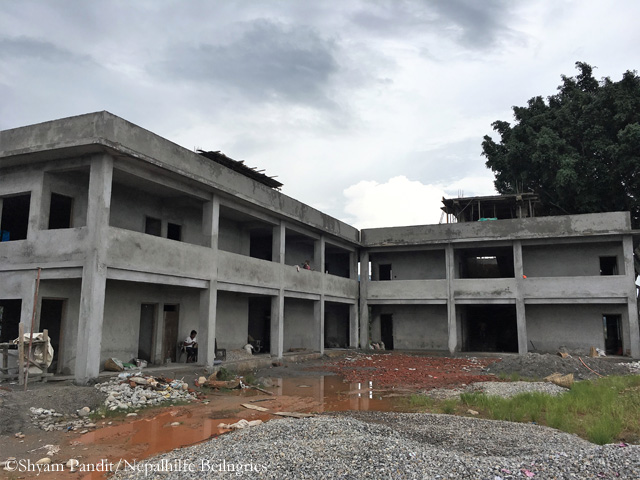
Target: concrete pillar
<point>279,241</point>
<point>28,293</point>
<point>318,317</point>
<point>277,325</point>
<point>94,274</point>
<point>35,208</point>
<point>319,255</point>
<point>207,326</point>
<point>452,324</point>
<point>211,222</point>
<point>364,305</point>
<point>158,340</point>
<point>353,265</point>
<point>1,204</point>
<point>633,343</point>
<point>209,296</point>
<point>353,326</point>
<point>521,318</point>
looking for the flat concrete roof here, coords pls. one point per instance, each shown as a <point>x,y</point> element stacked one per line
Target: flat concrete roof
<point>591,224</point>
<point>100,131</point>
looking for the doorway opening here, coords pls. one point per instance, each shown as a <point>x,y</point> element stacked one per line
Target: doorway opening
<point>171,324</point>
<point>260,323</point>
<point>9,320</point>
<point>612,334</point>
<point>51,314</point>
<point>336,325</point>
<point>386,330</point>
<point>146,332</point>
<point>489,328</point>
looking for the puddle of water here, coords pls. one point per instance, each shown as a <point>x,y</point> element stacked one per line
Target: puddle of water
<point>334,394</point>
<point>143,438</point>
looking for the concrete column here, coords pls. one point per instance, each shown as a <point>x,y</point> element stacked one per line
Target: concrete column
<point>28,293</point>
<point>277,325</point>
<point>211,222</point>
<point>318,317</point>
<point>157,358</point>
<point>209,296</point>
<point>207,326</point>
<point>353,326</point>
<point>319,255</point>
<point>633,343</point>
<point>521,319</point>
<point>353,265</point>
<point>94,274</point>
<point>278,248</point>
<point>452,324</point>
<point>35,208</point>
<point>1,204</point>
<point>364,305</point>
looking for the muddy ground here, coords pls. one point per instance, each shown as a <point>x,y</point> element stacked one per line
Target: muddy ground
<point>406,372</point>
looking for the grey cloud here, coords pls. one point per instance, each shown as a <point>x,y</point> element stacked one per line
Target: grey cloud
<point>26,48</point>
<point>473,24</point>
<point>267,62</point>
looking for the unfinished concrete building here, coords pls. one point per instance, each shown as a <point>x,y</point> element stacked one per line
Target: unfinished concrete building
<point>140,241</point>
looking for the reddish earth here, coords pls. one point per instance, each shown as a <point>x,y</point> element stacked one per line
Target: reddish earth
<point>412,371</point>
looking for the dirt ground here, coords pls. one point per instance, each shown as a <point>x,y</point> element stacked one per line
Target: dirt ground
<point>114,437</point>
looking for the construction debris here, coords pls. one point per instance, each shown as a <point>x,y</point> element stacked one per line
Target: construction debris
<point>129,391</point>
<point>240,424</point>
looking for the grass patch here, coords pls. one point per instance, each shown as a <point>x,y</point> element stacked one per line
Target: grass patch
<point>417,401</point>
<point>602,411</point>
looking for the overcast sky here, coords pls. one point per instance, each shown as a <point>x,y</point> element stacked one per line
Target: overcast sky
<point>368,111</point>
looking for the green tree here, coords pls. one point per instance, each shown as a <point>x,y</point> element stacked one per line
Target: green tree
<point>579,149</point>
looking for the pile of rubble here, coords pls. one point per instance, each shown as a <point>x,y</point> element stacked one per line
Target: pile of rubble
<point>129,391</point>
<point>50,420</point>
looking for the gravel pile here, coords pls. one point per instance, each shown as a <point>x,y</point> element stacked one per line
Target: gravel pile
<point>50,420</point>
<point>511,389</point>
<point>535,365</point>
<point>376,445</point>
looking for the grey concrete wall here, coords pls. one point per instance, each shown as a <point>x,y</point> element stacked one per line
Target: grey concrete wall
<point>296,253</point>
<point>521,228</point>
<point>415,327</point>
<point>412,265</point>
<point>91,131</point>
<point>120,330</point>
<point>569,260</point>
<point>69,291</point>
<point>232,237</point>
<point>129,209</point>
<point>232,320</point>
<point>300,330</point>
<point>74,184</point>
<point>577,327</point>
<point>407,290</point>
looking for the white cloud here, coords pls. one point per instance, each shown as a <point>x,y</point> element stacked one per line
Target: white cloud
<point>401,201</point>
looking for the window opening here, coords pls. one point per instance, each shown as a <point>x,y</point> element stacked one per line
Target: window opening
<point>174,231</point>
<point>15,218</point>
<point>60,211</point>
<point>153,226</point>
<point>384,272</point>
<point>608,266</point>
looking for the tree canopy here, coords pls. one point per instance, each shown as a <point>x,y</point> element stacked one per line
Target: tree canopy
<point>579,149</point>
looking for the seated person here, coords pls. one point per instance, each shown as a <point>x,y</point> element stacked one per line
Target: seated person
<point>191,346</point>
